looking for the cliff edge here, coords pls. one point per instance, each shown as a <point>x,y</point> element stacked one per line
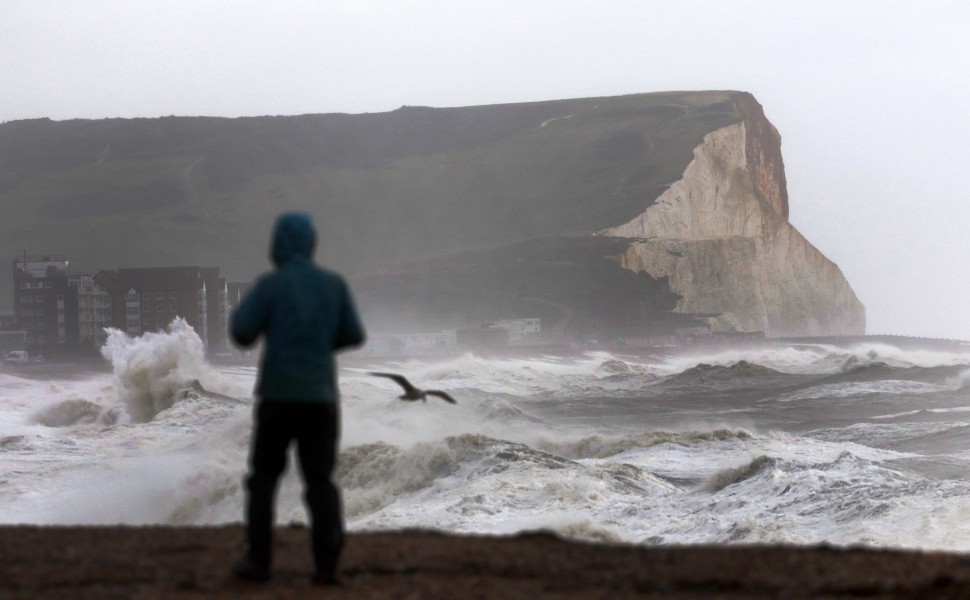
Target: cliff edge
<point>721,235</point>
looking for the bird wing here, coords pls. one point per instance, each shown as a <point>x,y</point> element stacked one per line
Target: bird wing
<point>400,379</point>
<point>443,395</point>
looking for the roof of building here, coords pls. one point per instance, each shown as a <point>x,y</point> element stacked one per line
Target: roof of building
<point>161,278</point>
<point>41,267</point>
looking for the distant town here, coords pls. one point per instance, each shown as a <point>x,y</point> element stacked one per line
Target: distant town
<point>61,315</point>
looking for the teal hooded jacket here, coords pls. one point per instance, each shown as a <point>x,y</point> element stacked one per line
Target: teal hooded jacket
<point>305,313</point>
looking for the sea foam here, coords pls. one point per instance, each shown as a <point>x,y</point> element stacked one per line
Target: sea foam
<point>151,370</point>
<point>595,446</point>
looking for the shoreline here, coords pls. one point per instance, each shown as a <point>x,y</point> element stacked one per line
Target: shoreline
<point>95,563</point>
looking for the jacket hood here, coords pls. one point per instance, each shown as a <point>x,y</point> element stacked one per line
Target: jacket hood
<point>294,238</point>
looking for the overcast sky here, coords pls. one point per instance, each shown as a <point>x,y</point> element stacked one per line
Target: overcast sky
<point>872,99</point>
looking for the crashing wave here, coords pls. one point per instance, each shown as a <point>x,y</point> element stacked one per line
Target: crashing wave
<point>151,370</point>
<point>598,446</point>
<point>719,373</point>
<point>67,413</point>
<point>728,477</point>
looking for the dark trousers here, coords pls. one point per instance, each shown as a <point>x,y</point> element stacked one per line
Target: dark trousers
<point>315,427</point>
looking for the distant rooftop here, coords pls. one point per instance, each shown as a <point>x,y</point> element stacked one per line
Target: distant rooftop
<point>161,278</point>
<point>39,266</point>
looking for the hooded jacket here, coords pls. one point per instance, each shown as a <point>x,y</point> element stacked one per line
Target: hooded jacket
<point>305,313</point>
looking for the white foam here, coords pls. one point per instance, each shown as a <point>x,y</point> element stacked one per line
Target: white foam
<point>501,460</point>
<point>151,369</point>
<point>960,381</point>
<point>819,358</point>
<point>841,391</point>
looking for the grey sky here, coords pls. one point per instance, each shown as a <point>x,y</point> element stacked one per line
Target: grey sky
<point>871,98</point>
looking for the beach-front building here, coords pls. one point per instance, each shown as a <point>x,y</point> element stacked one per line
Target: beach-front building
<point>148,299</point>
<point>11,337</point>
<point>8,319</point>
<point>410,344</point>
<point>93,311</point>
<point>45,304</point>
<point>217,310</point>
<point>520,330</point>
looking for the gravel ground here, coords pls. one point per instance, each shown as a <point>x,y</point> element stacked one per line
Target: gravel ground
<point>81,563</point>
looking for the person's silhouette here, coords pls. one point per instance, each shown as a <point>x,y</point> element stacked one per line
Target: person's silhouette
<point>305,313</point>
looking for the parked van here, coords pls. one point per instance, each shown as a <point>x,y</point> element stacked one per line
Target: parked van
<point>17,356</point>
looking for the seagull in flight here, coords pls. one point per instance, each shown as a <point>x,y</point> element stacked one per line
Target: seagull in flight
<point>412,393</point>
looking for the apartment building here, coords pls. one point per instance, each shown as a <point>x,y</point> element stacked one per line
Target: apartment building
<point>45,304</point>
<point>93,311</point>
<point>61,313</point>
<point>148,299</point>
<point>217,310</point>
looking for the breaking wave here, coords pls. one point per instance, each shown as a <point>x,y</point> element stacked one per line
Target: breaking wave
<point>374,475</point>
<point>959,381</point>
<point>803,444</point>
<point>152,371</point>
<point>600,446</point>
<point>731,476</point>
<point>706,372</point>
<point>73,412</point>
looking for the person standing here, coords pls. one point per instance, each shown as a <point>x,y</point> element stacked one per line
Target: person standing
<point>305,314</point>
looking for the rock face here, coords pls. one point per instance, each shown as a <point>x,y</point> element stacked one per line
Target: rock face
<point>722,237</point>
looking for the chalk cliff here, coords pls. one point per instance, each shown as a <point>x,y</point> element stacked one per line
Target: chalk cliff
<point>721,235</point>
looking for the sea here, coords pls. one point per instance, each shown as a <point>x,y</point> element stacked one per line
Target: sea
<point>861,444</point>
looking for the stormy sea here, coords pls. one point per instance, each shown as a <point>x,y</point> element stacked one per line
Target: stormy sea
<point>773,443</point>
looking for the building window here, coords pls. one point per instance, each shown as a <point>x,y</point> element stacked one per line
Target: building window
<point>40,325</point>
<point>174,308</point>
<point>160,308</point>
<point>23,285</point>
<point>47,284</point>
<point>40,312</point>
<point>159,295</point>
<point>172,295</point>
<point>38,298</point>
<point>147,308</point>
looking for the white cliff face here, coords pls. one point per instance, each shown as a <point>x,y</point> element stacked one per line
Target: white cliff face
<point>728,252</point>
<point>715,198</point>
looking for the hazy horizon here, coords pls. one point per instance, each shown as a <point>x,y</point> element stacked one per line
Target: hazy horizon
<point>868,98</point>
